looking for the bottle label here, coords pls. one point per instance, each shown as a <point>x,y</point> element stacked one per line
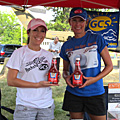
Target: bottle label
<point>77,80</point>
<point>77,77</point>
<point>53,77</point>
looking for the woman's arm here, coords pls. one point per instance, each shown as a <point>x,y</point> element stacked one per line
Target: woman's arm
<point>12,80</point>
<point>66,74</point>
<point>107,62</point>
<point>66,65</point>
<point>108,68</point>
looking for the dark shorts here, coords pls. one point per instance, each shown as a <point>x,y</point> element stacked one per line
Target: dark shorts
<point>94,105</point>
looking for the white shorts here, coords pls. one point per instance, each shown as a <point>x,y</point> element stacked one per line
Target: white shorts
<point>27,113</point>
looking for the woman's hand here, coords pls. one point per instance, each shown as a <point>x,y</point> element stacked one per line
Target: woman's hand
<point>68,81</point>
<point>89,81</point>
<point>46,84</point>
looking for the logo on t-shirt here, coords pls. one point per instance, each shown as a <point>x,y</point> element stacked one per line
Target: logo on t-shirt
<point>43,66</point>
<point>39,62</point>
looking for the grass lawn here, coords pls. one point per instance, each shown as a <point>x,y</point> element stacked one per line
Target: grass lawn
<point>8,97</point>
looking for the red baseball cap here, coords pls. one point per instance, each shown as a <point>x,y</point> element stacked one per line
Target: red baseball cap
<point>34,23</point>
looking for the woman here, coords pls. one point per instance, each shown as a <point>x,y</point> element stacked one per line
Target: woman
<point>90,48</point>
<point>28,68</point>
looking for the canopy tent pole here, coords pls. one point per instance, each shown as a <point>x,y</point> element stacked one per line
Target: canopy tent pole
<point>118,45</point>
<point>96,3</point>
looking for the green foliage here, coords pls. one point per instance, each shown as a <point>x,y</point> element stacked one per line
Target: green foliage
<point>8,98</point>
<point>60,22</point>
<point>10,29</point>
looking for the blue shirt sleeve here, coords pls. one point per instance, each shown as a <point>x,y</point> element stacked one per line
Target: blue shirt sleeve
<point>101,42</point>
<point>63,54</point>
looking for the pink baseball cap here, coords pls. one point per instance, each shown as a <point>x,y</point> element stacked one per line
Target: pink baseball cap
<point>34,23</point>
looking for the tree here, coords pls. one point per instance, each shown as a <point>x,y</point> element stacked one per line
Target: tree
<point>60,22</point>
<point>10,31</point>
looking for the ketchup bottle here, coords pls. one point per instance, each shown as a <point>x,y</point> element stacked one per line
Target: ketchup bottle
<point>78,75</point>
<point>53,72</point>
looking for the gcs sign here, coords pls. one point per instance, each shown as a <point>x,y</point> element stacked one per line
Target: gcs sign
<point>100,23</point>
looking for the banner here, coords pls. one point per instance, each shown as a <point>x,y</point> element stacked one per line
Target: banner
<point>113,101</point>
<point>106,24</point>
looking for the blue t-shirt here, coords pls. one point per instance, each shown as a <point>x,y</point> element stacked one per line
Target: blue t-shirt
<point>88,48</point>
